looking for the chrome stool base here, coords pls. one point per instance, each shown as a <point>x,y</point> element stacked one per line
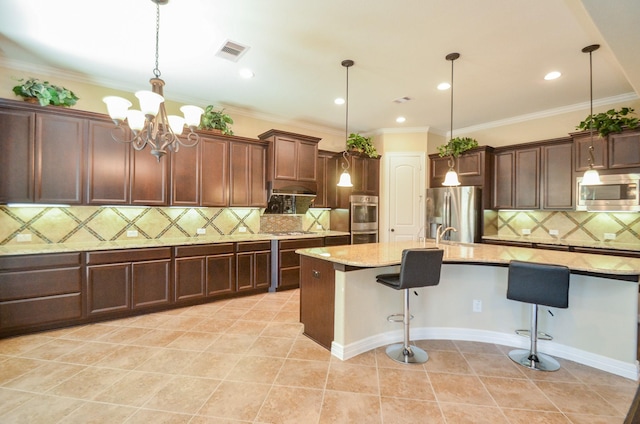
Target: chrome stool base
<point>538,361</point>
<point>541,335</point>
<point>407,355</point>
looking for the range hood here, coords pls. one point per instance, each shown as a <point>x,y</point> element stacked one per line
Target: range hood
<point>292,198</point>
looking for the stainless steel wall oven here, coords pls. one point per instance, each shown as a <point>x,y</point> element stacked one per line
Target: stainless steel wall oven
<point>364,219</point>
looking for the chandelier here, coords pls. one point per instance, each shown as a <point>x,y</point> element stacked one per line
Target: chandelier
<point>151,125</point>
<point>591,176</point>
<point>345,177</point>
<point>451,177</point>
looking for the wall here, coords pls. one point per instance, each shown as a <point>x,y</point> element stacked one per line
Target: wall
<point>91,224</point>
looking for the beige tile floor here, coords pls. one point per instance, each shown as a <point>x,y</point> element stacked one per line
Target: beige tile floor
<point>245,360</point>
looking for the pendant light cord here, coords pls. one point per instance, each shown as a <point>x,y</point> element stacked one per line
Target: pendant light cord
<point>452,57</point>
<point>590,49</point>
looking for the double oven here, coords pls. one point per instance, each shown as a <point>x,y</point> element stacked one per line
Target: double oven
<point>364,219</point>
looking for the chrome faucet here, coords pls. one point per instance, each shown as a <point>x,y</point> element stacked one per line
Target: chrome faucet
<point>440,233</point>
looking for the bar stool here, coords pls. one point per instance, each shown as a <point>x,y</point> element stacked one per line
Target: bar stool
<point>537,284</point>
<point>419,268</point>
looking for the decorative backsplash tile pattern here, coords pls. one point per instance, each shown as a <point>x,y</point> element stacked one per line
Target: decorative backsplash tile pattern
<point>82,224</point>
<point>576,226</point>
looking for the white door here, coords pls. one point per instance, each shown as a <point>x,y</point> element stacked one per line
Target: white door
<point>406,190</point>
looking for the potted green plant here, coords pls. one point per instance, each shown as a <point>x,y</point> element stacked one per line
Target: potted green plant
<point>611,121</point>
<point>45,93</point>
<point>361,144</point>
<point>216,120</point>
<point>456,146</point>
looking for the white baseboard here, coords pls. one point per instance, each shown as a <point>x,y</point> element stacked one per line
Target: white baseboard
<point>613,366</point>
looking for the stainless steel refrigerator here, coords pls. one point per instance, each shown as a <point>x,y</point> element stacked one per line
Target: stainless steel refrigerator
<point>458,207</point>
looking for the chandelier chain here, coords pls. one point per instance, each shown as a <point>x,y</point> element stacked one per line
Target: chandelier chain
<point>156,70</point>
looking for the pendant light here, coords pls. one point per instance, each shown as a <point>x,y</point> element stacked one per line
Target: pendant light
<point>451,178</point>
<point>151,125</point>
<point>591,176</point>
<point>345,177</point>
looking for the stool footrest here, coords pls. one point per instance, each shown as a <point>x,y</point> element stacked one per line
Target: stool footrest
<point>397,318</point>
<point>541,335</point>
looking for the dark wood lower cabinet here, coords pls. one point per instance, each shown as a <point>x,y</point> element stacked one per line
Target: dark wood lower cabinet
<point>202,271</point>
<point>288,264</point>
<point>39,291</point>
<point>124,280</point>
<point>253,265</point>
<point>317,299</point>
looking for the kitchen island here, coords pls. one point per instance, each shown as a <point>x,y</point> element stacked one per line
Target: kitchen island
<point>344,309</point>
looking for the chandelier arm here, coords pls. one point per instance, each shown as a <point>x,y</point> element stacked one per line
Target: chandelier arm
<point>121,129</point>
<point>191,141</point>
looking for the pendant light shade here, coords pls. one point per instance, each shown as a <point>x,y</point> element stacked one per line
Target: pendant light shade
<point>345,177</point>
<point>451,178</point>
<point>591,176</point>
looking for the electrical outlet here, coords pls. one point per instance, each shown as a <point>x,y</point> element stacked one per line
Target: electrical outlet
<point>242,229</point>
<point>609,236</point>
<point>201,231</point>
<point>526,231</point>
<point>553,232</point>
<point>318,227</point>
<point>477,305</point>
<point>23,238</point>
<point>132,233</point>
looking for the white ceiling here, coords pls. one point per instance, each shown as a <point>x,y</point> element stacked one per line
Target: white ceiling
<point>296,48</point>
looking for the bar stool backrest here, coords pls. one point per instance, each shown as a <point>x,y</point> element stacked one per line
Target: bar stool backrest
<point>420,268</point>
<point>539,284</point>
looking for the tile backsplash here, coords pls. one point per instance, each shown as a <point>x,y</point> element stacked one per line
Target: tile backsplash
<point>82,224</point>
<point>570,226</point>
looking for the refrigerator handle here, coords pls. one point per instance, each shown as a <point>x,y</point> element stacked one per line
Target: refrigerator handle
<point>447,210</point>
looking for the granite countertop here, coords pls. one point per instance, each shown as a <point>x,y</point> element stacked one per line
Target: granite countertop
<point>29,249</point>
<point>611,244</point>
<point>388,254</point>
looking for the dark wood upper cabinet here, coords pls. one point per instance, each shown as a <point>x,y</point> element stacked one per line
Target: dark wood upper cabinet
<point>474,168</point>
<point>186,168</point>
<point>149,179</point>
<point>557,176</point>
<point>326,196</point>
<point>527,178</point>
<point>107,166</point>
<point>503,179</point>
<point>365,175</point>
<point>624,150</point>
<point>42,154</point>
<point>291,159</point>
<point>581,149</point>
<point>247,174</point>
<point>215,172</point>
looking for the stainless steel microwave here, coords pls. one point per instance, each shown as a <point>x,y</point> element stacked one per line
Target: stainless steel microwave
<point>617,193</point>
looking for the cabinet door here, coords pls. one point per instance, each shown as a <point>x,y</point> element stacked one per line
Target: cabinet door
<point>215,172</point>
<point>581,148</point>
<point>239,174</point>
<point>307,154</point>
<point>372,177</point>
<point>262,276</point>
<point>108,288</point>
<point>286,158</point>
<point>557,176</point>
<point>624,150</point>
<point>107,166</point>
<point>190,278</point>
<point>17,134</point>
<point>244,270</point>
<point>59,159</point>
<point>150,283</point>
<point>185,176</point>
<point>149,178</point>
<point>257,182</point>
<point>503,180</point>
<point>321,200</point>
<point>527,178</point>
<point>221,274</point>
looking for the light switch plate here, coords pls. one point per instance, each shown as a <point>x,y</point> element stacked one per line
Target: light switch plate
<point>526,231</point>
<point>609,236</point>
<point>132,233</point>
<point>553,232</point>
<point>201,231</point>
<point>22,238</point>
<point>242,229</point>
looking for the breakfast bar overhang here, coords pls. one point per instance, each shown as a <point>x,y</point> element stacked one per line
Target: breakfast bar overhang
<point>344,309</point>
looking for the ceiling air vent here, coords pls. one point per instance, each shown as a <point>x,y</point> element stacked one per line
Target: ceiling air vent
<point>232,51</point>
<point>404,99</point>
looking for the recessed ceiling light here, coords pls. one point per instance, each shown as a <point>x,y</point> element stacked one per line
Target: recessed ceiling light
<point>246,73</point>
<point>552,75</point>
<point>444,86</point>
<point>339,101</point>
<point>400,119</point>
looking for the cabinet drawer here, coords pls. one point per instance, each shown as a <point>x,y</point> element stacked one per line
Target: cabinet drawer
<point>11,263</point>
<point>253,246</point>
<point>42,310</point>
<point>29,284</point>
<point>289,277</point>
<point>337,240</point>
<point>204,250</point>
<point>301,243</point>
<point>132,255</point>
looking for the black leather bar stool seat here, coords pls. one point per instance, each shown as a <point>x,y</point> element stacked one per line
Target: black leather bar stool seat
<point>419,268</point>
<point>537,284</point>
